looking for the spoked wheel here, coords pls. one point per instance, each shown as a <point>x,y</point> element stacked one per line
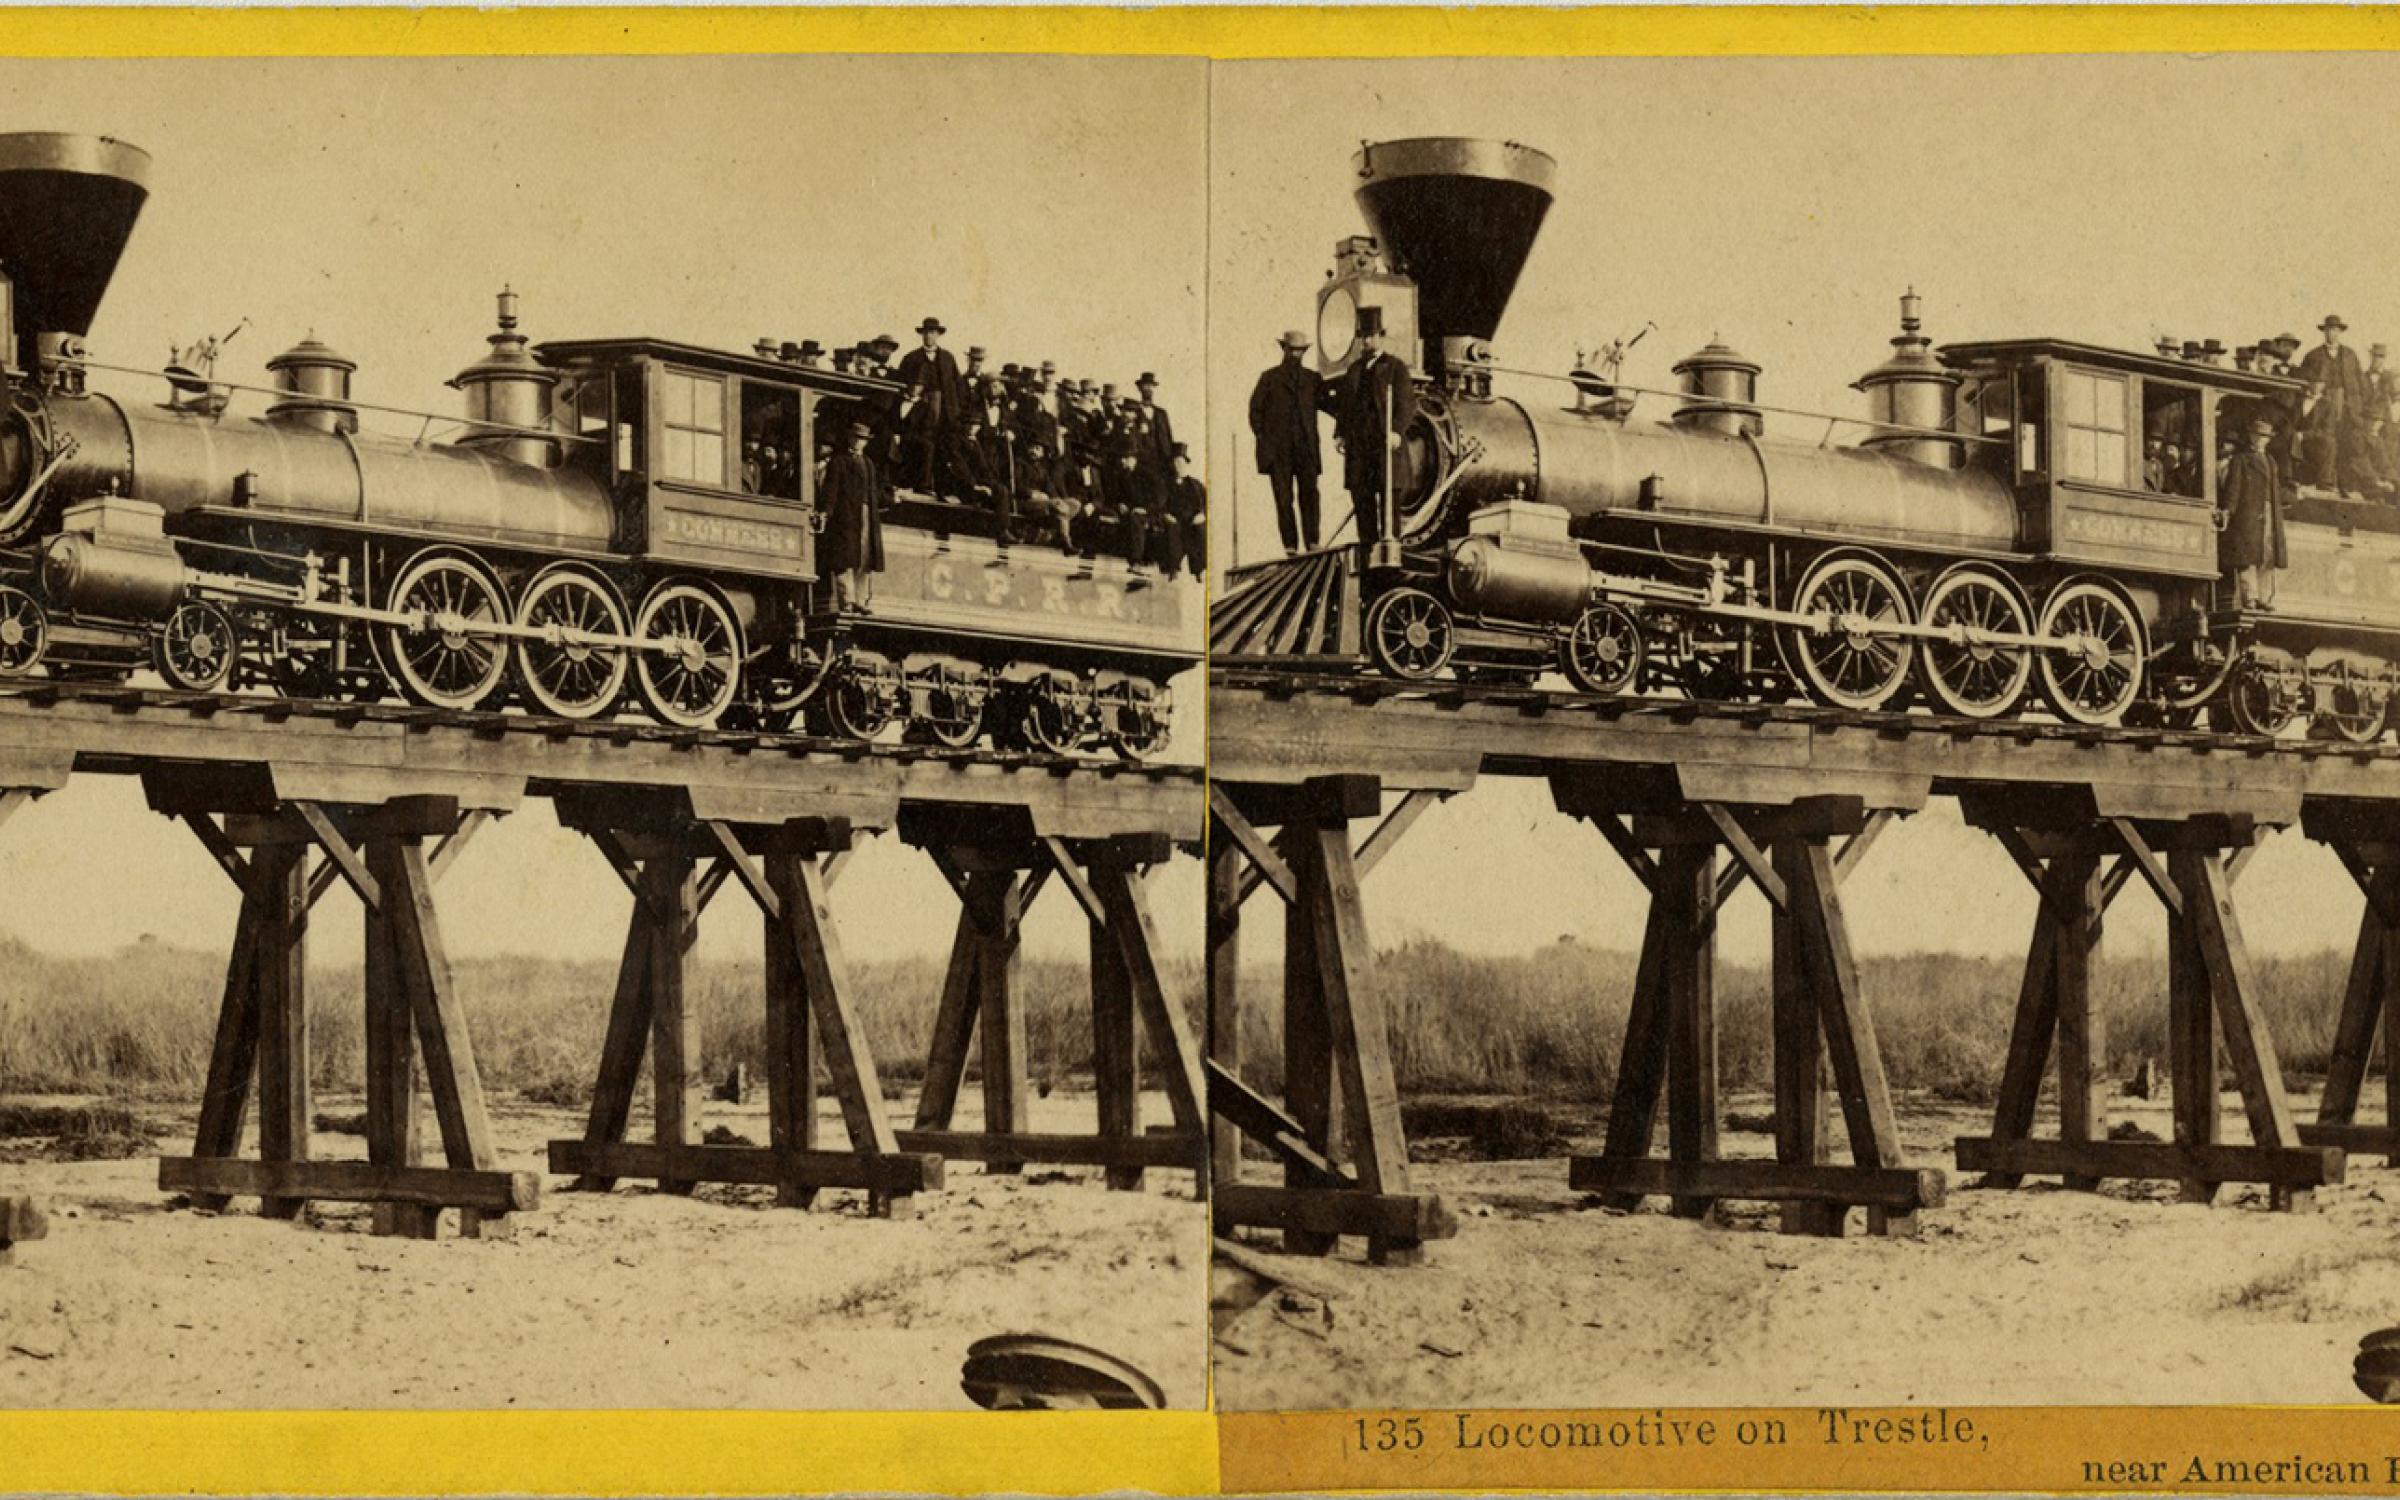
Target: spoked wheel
<point>2259,700</point>
<point>1049,716</point>
<point>1851,665</point>
<point>24,631</point>
<point>690,665</point>
<point>857,703</point>
<point>196,648</point>
<point>1137,721</point>
<point>963,700</point>
<point>2098,675</point>
<point>444,658</point>
<point>1409,634</point>
<point>1603,652</point>
<point>567,672</point>
<point>1976,679</point>
<point>2361,705</point>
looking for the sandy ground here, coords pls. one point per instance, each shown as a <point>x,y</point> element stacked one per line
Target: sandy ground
<point>631,1299</point>
<point>2034,1296</point>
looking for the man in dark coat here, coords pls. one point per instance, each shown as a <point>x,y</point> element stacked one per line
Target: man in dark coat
<point>966,464</point>
<point>2252,505</point>
<point>850,551</point>
<point>1373,405</point>
<point>2334,446</point>
<point>936,397</point>
<point>1190,509</point>
<point>1283,428</point>
<point>1157,461</point>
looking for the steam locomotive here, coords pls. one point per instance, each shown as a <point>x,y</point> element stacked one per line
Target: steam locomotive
<point>591,542</point>
<point>1988,543</point>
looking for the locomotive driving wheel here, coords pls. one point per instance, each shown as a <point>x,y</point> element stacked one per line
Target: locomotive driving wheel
<point>197,647</point>
<point>24,631</point>
<point>1603,651</point>
<point>2097,675</point>
<point>1409,634</point>
<point>444,658</point>
<point>1851,663</point>
<point>1976,678</point>
<point>690,665</point>
<point>567,672</point>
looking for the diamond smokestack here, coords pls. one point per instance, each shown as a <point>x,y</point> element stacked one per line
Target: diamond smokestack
<point>1458,217</point>
<point>67,205</point>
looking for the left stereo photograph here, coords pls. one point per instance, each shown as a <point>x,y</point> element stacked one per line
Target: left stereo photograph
<point>600,736</point>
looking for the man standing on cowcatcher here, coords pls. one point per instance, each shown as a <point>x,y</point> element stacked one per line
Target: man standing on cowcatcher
<point>1283,428</point>
<point>1373,405</point>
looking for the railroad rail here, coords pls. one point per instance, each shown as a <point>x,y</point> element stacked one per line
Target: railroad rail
<point>1700,799</point>
<point>294,797</point>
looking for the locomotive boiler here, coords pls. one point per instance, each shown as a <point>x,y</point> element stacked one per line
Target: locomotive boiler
<point>588,540</point>
<point>1987,535</point>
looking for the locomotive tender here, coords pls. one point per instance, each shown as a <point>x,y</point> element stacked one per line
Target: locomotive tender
<point>1990,538</point>
<point>591,540</point>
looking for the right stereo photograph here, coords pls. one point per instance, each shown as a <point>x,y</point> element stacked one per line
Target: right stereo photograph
<point>1729,578</point>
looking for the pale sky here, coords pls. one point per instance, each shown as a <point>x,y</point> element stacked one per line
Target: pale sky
<point>1784,205</point>
<point>1046,208</point>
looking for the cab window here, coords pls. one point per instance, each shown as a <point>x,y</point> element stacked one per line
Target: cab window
<point>771,439</point>
<point>2092,428</point>
<point>692,428</point>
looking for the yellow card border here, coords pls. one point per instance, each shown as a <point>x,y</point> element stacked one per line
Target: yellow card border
<point>746,1453</point>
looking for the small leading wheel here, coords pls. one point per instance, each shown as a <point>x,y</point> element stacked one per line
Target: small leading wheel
<point>24,631</point>
<point>196,648</point>
<point>567,671</point>
<point>445,658</point>
<point>1603,652</point>
<point>1976,678</point>
<point>1409,634</point>
<point>1853,663</point>
<point>689,667</point>
<point>2097,674</point>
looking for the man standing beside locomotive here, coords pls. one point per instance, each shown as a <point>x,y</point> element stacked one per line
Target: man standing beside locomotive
<point>1283,428</point>
<point>2251,497</point>
<point>1374,403</point>
<point>850,551</point>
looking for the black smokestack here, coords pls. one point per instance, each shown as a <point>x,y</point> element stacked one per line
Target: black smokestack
<point>67,206</point>
<point>1458,217</point>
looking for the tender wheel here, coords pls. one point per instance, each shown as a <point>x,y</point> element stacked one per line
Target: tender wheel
<point>567,673</point>
<point>1977,679</point>
<point>24,631</point>
<point>856,704</point>
<point>1851,665</point>
<point>197,647</point>
<point>2098,677</point>
<point>444,659</point>
<point>1409,634</point>
<point>690,667</point>
<point>2259,699</point>
<point>2361,705</point>
<point>962,701</point>
<point>1603,652</point>
<point>1137,721</point>
<point>1050,716</point>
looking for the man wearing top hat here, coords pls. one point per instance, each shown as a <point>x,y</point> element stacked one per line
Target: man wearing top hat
<point>2250,504</point>
<point>936,398</point>
<point>1374,403</point>
<point>1190,510</point>
<point>1158,437</point>
<point>850,551</point>
<point>1283,429</point>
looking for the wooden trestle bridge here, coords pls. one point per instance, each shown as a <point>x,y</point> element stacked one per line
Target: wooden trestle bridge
<point>292,798</point>
<point>1700,800</point>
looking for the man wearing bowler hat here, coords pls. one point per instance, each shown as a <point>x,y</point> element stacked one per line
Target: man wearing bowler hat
<point>1283,428</point>
<point>1373,405</point>
<point>936,398</point>
<point>2250,502</point>
<point>2333,450</point>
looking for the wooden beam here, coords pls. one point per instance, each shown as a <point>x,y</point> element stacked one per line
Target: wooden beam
<point>1171,1040</point>
<point>391,1060</point>
<point>1360,1031</point>
<point>953,1025</point>
<point>624,1045</point>
<point>2146,864</point>
<point>281,956</point>
<point>351,1182</point>
<point>1070,874</point>
<point>2021,853</point>
<point>1153,1148</point>
<point>1687,888</point>
<point>2354,1029</point>
<point>894,1172</point>
<point>1254,1115</point>
<point>2380,887</point>
<point>1898,1189</point>
<point>1392,829</point>
<point>2191,1051</point>
<point>423,965</point>
<point>454,843</point>
<point>337,849</point>
<point>1225,870</point>
<point>668,888</point>
<point>790,1043</point>
<point>946,862</point>
<point>736,862</point>
<point>1854,848</point>
<point>1253,844</point>
<point>1404,1217</point>
<point>212,838</point>
<point>849,1061</point>
<point>2249,1046</point>
<point>233,1055</point>
<point>1798,1056</point>
<point>2290,1166</point>
<point>1746,853</point>
<point>1849,1026</point>
<point>1311,1083</point>
<point>2073,892</point>
<point>996,899</point>
<point>1620,838</point>
<point>1116,1050</point>
<point>1642,1062</point>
